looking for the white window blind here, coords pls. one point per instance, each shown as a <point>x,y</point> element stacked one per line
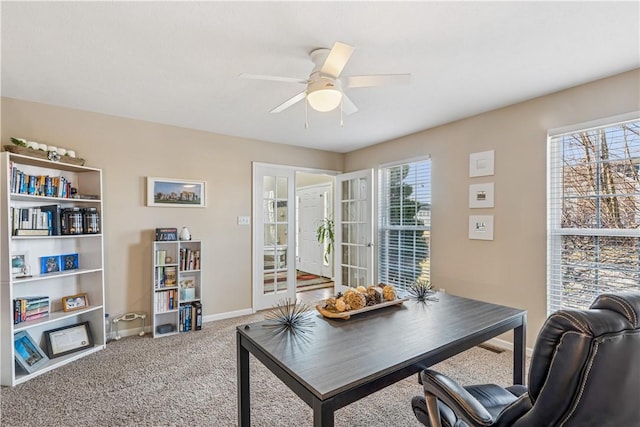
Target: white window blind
<point>593,214</point>
<point>404,223</point>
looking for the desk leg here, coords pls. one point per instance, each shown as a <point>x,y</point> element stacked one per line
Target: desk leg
<point>322,414</point>
<point>244,403</point>
<point>520,352</point>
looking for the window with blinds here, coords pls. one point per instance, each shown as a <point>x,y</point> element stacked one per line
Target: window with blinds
<point>404,223</point>
<point>593,214</point>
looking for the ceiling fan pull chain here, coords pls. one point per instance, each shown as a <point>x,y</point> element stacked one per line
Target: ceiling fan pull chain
<point>306,114</point>
<point>342,112</point>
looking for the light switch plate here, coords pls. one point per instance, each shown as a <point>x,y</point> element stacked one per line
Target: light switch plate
<point>244,220</point>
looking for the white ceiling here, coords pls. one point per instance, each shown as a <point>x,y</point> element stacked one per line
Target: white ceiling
<point>178,62</point>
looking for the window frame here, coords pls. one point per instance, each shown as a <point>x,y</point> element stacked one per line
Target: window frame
<point>382,216</point>
<point>555,198</point>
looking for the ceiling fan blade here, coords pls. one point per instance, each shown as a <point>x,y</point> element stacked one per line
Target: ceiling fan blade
<point>273,78</point>
<point>348,107</point>
<point>337,59</point>
<point>377,80</point>
<point>289,102</point>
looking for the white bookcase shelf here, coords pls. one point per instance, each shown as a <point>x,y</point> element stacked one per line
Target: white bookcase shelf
<point>177,287</point>
<point>87,278</point>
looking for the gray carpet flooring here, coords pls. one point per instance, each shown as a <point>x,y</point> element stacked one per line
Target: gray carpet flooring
<point>190,380</point>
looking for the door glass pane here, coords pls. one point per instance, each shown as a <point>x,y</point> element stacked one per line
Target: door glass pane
<point>281,284</point>
<point>269,187</point>
<point>275,210</point>
<point>282,234</point>
<point>269,211</point>
<point>269,235</point>
<point>345,190</point>
<point>345,254</point>
<point>282,187</point>
<point>282,211</point>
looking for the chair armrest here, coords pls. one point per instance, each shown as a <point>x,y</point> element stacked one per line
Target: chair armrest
<point>456,397</point>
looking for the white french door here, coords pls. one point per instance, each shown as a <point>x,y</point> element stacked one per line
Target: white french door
<point>274,225</point>
<point>354,244</point>
<point>274,272</point>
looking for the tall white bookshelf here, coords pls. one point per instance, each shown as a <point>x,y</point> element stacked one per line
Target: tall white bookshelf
<point>177,287</point>
<point>85,277</point>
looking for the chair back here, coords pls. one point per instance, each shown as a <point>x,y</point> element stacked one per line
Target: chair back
<point>585,368</point>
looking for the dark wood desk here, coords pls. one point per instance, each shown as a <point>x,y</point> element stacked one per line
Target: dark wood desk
<point>340,361</point>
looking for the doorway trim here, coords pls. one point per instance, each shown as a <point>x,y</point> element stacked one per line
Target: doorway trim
<point>257,252</point>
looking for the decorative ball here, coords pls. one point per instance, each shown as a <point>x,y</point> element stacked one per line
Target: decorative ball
<point>355,299</point>
<point>330,303</point>
<point>389,293</point>
<point>361,289</point>
<point>374,295</point>
<point>340,305</point>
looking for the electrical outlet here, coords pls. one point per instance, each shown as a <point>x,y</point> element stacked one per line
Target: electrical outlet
<point>244,220</point>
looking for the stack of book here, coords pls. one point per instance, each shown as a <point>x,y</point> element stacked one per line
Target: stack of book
<point>189,259</point>
<point>30,308</point>
<point>166,300</point>
<point>191,316</point>
<point>161,256</point>
<point>39,185</point>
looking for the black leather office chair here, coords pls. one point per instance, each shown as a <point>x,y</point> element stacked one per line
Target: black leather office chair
<point>585,371</point>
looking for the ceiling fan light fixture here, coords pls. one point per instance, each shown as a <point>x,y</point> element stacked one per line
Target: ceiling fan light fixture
<point>324,95</point>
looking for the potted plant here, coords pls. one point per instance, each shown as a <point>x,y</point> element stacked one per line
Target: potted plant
<point>325,235</point>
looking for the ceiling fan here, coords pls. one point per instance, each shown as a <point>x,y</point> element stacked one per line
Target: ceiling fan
<point>325,86</point>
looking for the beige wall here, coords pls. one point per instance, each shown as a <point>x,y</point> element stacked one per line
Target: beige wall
<point>511,269</point>
<point>130,150</point>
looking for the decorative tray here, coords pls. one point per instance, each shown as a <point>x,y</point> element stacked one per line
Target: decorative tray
<point>39,154</point>
<point>347,314</point>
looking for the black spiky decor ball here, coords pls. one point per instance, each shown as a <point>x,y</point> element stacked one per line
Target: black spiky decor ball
<point>421,291</point>
<point>292,316</point>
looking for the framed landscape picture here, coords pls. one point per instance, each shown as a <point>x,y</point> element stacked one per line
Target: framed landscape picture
<point>169,192</point>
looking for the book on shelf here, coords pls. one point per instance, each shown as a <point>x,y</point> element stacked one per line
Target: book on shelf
<point>189,259</point>
<point>39,185</point>
<point>197,315</point>
<point>161,256</point>
<point>32,232</point>
<point>55,214</point>
<point>159,277</point>
<point>166,300</point>
<point>166,234</point>
<point>30,308</point>
<point>36,218</point>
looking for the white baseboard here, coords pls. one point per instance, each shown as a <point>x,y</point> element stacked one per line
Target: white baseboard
<point>497,342</point>
<point>211,318</point>
<point>227,315</point>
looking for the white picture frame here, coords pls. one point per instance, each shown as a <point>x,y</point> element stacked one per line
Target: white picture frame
<point>20,265</point>
<point>481,195</point>
<point>481,227</point>
<point>170,192</point>
<point>481,164</point>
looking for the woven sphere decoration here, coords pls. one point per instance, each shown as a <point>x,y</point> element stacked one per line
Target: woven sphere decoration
<point>330,303</point>
<point>355,299</point>
<point>361,289</point>
<point>374,295</point>
<point>340,305</point>
<point>389,293</point>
